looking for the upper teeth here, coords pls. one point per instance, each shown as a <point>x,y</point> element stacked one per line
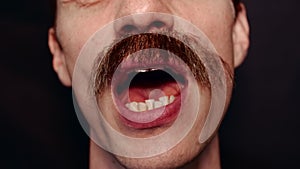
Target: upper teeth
<point>145,70</point>
<point>150,104</point>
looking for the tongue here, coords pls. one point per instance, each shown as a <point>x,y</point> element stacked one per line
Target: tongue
<point>140,94</point>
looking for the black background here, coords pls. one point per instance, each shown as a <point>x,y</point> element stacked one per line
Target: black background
<point>39,129</point>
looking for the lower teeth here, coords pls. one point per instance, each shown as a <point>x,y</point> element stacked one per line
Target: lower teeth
<point>150,104</point>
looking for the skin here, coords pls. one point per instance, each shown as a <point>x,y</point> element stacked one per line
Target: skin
<point>229,32</point>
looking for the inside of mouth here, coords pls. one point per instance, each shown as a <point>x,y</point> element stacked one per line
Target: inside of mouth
<point>150,89</point>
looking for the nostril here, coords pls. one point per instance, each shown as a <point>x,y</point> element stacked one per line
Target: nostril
<point>143,23</point>
<point>157,24</point>
<point>128,29</point>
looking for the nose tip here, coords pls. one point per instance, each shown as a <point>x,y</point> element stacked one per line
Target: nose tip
<point>143,23</point>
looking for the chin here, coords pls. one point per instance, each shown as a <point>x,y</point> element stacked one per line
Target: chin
<point>177,157</point>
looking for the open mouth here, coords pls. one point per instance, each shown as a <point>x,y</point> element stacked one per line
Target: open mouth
<point>148,75</point>
<point>150,95</point>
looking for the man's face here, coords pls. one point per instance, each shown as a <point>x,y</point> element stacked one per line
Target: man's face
<point>77,20</point>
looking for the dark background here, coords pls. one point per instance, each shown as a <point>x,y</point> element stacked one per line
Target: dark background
<point>39,129</point>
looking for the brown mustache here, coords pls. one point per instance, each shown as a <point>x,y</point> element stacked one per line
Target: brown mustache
<point>105,68</point>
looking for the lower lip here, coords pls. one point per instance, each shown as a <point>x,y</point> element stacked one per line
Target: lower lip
<point>168,116</point>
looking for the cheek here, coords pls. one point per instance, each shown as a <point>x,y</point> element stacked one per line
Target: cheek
<point>74,31</point>
<point>220,34</point>
<point>216,20</point>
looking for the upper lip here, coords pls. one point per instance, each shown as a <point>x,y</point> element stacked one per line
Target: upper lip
<point>173,66</point>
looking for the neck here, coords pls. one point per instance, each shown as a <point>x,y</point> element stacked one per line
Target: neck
<point>209,158</point>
